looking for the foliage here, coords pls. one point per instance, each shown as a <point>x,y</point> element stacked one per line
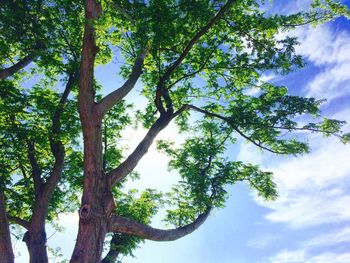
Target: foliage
<point>203,64</point>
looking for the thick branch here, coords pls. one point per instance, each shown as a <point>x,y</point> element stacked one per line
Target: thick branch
<point>129,226</point>
<point>36,171</point>
<point>117,174</point>
<point>89,51</point>
<point>19,221</point>
<point>4,73</point>
<point>114,251</point>
<point>57,147</point>
<point>114,97</point>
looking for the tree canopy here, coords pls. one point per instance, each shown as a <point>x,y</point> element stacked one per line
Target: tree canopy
<point>200,64</point>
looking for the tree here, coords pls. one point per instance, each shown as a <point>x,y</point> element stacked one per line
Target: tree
<point>169,46</point>
<point>39,125</point>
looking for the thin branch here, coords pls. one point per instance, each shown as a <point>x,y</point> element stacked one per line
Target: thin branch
<point>315,19</point>
<point>227,120</point>
<point>123,12</point>
<point>161,91</point>
<point>193,41</point>
<point>306,129</point>
<point>132,227</point>
<point>114,97</point>
<point>191,74</point>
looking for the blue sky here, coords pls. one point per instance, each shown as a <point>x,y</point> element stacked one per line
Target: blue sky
<point>310,221</point>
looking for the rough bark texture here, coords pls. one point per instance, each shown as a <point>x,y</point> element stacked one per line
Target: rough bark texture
<point>35,237</point>
<point>35,240</point>
<point>96,202</point>
<point>6,252</point>
<point>92,214</point>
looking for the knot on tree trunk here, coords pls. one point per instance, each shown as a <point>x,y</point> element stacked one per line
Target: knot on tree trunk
<point>85,212</point>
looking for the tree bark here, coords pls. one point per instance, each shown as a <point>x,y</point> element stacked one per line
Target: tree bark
<point>130,226</point>
<point>6,252</point>
<point>97,200</point>
<point>94,211</point>
<point>35,240</point>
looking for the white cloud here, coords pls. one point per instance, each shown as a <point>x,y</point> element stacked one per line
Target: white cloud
<point>331,83</point>
<point>287,256</point>
<point>329,239</point>
<point>330,257</point>
<point>322,45</point>
<point>286,7</point>
<point>296,6</point>
<point>330,50</point>
<point>301,256</point>
<point>313,188</point>
<point>262,241</point>
<point>249,153</point>
<point>307,210</point>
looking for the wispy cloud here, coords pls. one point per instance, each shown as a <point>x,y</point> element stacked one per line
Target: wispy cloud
<point>262,241</point>
<point>330,51</point>
<point>330,238</point>
<point>312,188</point>
<point>248,153</point>
<point>301,256</point>
<point>287,256</point>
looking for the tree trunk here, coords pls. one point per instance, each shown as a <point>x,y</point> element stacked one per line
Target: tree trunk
<point>96,200</point>
<point>35,239</point>
<point>6,252</point>
<point>37,246</point>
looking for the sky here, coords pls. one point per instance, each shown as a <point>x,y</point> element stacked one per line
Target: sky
<point>310,221</point>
